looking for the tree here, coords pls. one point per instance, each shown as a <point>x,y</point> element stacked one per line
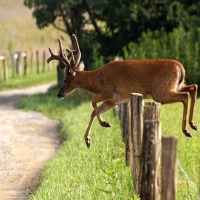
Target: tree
<point>125,21</point>
<point>107,26</point>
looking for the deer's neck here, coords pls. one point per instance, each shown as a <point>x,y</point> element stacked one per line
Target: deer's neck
<point>88,80</point>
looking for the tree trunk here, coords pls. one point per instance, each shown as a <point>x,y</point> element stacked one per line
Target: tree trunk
<point>60,73</point>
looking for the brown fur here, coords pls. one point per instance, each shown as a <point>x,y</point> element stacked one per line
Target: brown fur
<point>163,80</point>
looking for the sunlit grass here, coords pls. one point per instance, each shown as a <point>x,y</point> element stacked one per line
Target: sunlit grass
<point>100,172</point>
<point>77,172</point>
<point>188,149</point>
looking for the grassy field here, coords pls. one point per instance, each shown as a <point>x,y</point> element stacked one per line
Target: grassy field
<point>19,33</point>
<point>29,80</point>
<point>100,172</point>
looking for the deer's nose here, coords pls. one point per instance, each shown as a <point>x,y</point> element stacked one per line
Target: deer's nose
<point>61,96</point>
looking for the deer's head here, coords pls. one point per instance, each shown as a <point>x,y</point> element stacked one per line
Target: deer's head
<point>71,58</point>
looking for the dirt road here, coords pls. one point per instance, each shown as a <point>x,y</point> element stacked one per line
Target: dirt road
<point>27,141</point>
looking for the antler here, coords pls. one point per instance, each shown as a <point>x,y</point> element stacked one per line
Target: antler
<point>66,59</point>
<point>61,57</point>
<point>76,51</point>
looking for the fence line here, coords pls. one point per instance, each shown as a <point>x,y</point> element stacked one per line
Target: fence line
<point>19,63</point>
<point>142,134</point>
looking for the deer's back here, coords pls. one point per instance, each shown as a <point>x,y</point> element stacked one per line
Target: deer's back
<point>143,76</point>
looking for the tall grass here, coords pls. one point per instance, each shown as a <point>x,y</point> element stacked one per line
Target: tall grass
<point>100,172</point>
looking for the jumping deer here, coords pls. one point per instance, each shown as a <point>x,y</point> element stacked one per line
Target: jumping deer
<point>163,80</point>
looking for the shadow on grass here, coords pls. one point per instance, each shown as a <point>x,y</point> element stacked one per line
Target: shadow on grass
<point>51,105</point>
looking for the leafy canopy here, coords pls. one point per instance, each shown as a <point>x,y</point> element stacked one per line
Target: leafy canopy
<point>107,26</point>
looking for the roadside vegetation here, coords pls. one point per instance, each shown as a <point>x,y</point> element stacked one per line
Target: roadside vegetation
<point>100,172</point>
<point>21,81</point>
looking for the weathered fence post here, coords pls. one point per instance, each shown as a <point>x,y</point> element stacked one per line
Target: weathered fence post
<point>5,69</point>
<point>24,55</point>
<point>5,72</point>
<point>44,61</point>
<point>126,125</point>
<point>31,62</point>
<point>19,63</point>
<point>169,185</point>
<point>37,61</point>
<point>150,152</point>
<point>136,137</point>
<point>14,57</point>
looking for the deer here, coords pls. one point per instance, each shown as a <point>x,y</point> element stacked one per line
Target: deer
<point>162,80</point>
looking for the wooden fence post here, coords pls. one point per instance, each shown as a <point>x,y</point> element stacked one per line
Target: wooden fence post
<point>5,72</point>
<point>151,152</point>
<point>19,63</point>
<point>14,57</point>
<point>5,69</point>
<point>169,185</point>
<point>24,55</point>
<point>37,61</point>
<point>31,62</point>
<point>126,125</point>
<point>136,137</point>
<point>44,61</point>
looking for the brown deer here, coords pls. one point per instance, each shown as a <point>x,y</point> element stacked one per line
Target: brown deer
<point>162,80</point>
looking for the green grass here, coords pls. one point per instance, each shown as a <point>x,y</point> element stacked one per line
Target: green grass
<point>100,172</point>
<point>76,172</point>
<point>188,150</point>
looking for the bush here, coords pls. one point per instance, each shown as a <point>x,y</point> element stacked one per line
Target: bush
<point>179,44</point>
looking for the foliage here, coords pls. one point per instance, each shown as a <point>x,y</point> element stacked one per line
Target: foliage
<point>179,44</point>
<point>109,25</point>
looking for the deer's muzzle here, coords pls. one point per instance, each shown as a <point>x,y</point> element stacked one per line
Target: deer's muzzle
<point>61,96</point>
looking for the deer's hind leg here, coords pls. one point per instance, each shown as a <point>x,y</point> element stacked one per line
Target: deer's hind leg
<point>172,97</point>
<point>192,90</point>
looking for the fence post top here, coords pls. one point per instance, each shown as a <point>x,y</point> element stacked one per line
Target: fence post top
<point>2,57</point>
<point>137,94</point>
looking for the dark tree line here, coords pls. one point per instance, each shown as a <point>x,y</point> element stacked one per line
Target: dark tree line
<point>108,26</point>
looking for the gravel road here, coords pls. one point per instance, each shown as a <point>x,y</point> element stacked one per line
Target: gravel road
<point>27,141</point>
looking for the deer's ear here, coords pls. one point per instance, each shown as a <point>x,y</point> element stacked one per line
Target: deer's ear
<point>81,66</point>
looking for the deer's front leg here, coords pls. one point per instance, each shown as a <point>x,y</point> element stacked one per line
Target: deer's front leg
<point>101,109</point>
<point>106,105</point>
<point>101,121</point>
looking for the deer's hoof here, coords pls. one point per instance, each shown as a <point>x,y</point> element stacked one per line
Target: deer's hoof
<point>193,126</point>
<point>188,134</point>
<point>106,124</point>
<point>87,142</point>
